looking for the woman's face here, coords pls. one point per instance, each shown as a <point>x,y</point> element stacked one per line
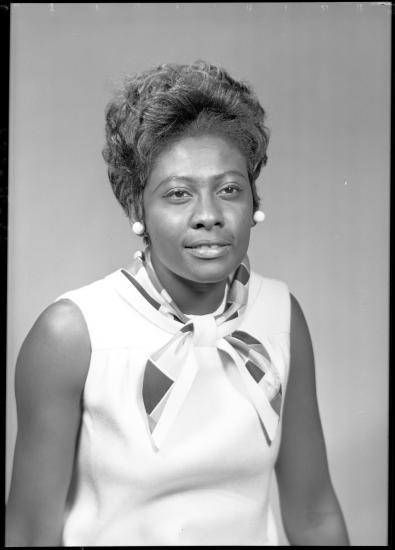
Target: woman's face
<point>198,210</point>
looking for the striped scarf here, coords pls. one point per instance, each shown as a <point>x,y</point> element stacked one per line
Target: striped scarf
<point>170,371</point>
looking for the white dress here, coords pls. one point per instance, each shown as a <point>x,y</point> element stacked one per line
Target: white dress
<point>209,483</point>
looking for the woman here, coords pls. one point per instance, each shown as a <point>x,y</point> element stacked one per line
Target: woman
<point>155,404</point>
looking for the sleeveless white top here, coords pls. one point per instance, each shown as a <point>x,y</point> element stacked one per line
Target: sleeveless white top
<point>209,483</point>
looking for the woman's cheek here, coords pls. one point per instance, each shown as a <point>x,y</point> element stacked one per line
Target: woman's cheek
<point>165,225</point>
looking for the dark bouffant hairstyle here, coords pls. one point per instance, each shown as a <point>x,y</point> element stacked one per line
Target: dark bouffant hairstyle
<point>159,106</point>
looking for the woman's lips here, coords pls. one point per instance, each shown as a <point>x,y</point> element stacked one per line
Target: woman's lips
<point>208,251</point>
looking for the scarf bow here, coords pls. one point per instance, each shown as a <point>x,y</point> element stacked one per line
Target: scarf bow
<point>170,371</point>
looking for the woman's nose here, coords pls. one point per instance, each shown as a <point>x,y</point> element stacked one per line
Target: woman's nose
<point>207,213</point>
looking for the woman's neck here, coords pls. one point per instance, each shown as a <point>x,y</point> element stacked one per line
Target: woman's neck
<point>198,299</point>
<point>191,297</point>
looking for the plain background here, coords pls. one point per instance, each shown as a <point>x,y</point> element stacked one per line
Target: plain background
<point>322,72</point>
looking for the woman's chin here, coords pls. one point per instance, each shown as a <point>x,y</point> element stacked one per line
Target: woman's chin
<point>210,270</point>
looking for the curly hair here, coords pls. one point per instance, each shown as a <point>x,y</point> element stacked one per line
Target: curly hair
<point>156,107</point>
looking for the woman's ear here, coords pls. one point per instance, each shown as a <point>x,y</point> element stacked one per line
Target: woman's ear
<point>137,218</point>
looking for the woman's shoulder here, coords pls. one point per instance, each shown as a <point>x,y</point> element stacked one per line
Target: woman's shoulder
<point>98,286</point>
<point>105,306</point>
<point>61,320</point>
<point>270,302</point>
<point>262,285</point>
<point>94,297</point>
<point>56,350</point>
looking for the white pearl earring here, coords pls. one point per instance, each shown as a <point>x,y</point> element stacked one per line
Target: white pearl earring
<point>259,216</point>
<point>138,228</point>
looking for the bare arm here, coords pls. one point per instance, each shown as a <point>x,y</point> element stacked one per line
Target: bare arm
<point>310,510</point>
<point>49,378</point>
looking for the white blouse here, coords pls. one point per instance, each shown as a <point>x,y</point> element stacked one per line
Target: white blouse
<point>209,483</point>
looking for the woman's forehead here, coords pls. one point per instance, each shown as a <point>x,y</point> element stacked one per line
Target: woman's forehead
<point>204,156</point>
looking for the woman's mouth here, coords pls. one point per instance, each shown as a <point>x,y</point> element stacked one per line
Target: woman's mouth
<point>208,251</point>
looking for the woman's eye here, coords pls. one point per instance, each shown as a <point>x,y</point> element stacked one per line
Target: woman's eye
<point>230,190</point>
<point>177,194</point>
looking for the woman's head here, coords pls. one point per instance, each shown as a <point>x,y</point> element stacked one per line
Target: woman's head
<point>198,209</point>
<point>157,108</point>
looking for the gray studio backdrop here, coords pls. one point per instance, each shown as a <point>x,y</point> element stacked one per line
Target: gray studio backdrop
<point>322,71</point>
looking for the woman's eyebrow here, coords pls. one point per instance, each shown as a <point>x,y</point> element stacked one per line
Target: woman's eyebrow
<point>230,173</point>
<point>190,179</point>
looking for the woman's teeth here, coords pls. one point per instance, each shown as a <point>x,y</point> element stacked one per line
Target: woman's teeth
<point>208,246</point>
